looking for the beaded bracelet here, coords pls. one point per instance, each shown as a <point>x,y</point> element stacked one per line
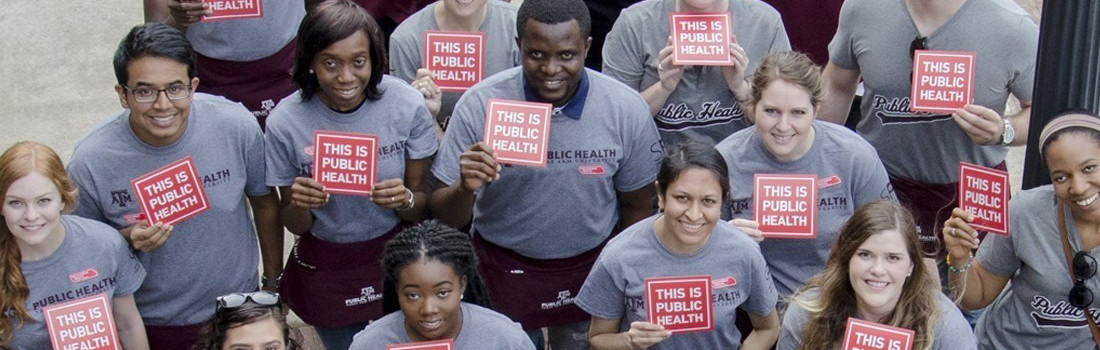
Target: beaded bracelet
<point>962,270</point>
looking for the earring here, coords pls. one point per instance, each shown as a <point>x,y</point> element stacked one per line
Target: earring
<point>310,71</point>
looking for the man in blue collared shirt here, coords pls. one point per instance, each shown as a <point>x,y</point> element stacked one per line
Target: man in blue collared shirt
<point>538,230</point>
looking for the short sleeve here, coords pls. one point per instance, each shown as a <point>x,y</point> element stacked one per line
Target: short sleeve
<point>130,273</point>
<point>642,146</point>
<point>254,161</point>
<point>404,55</point>
<point>841,52</point>
<point>872,182</point>
<point>279,156</point>
<point>762,294</point>
<point>790,331</point>
<point>780,41</point>
<point>1023,78</point>
<point>87,205</point>
<point>623,58</point>
<point>460,135</point>
<point>423,142</point>
<point>600,295</point>
<point>997,254</point>
<point>952,331</point>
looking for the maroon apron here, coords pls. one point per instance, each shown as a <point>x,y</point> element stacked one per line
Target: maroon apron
<point>931,205</point>
<point>335,284</point>
<point>536,293</point>
<point>258,85</point>
<point>173,337</point>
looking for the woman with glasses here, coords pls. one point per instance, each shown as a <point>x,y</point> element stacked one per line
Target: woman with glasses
<point>432,279</point>
<point>333,279</point>
<point>1049,256</point>
<point>48,258</point>
<point>875,273</point>
<point>247,321</point>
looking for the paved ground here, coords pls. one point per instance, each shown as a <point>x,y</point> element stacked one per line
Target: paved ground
<point>55,65</point>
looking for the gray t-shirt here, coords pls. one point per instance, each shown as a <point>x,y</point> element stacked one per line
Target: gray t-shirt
<point>571,205</point>
<point>616,286</point>
<point>210,254</point>
<point>501,52</point>
<point>404,129</point>
<point>874,36</point>
<point>1033,311</point>
<point>481,329</point>
<point>702,106</point>
<point>249,39</point>
<point>843,162</point>
<point>951,332</point>
<point>93,259</point>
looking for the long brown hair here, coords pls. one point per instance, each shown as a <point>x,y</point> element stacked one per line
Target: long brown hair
<point>18,161</point>
<point>917,308</point>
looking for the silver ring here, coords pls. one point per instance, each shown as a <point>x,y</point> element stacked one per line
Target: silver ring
<point>660,66</point>
<point>954,232</point>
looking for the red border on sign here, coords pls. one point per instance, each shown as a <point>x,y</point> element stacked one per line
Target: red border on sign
<point>190,166</point>
<point>676,45</point>
<point>448,344</point>
<point>855,322</point>
<point>372,139</point>
<point>258,14</point>
<point>967,167</point>
<point>709,305</point>
<point>545,131</point>
<point>107,314</point>
<point>480,54</point>
<point>914,103</point>
<point>813,204</point>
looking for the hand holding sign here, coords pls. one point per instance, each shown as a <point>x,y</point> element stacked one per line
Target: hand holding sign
<point>983,125</point>
<point>307,193</point>
<point>958,236</point>
<point>433,96</point>
<point>735,73</point>
<point>477,166</point>
<point>145,237</point>
<point>864,335</point>
<point>187,12</point>
<point>390,194</point>
<point>643,335</point>
<point>749,227</point>
<point>669,73</point>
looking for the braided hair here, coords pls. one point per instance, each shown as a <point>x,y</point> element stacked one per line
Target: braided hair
<point>427,241</point>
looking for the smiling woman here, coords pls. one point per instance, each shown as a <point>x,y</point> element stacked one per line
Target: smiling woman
<point>431,275</point>
<point>875,272</point>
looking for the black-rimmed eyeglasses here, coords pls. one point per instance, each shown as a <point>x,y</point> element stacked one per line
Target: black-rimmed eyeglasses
<point>148,94</point>
<point>1084,267</point>
<point>234,300</point>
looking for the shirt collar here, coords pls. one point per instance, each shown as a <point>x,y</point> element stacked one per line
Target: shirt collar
<point>571,109</point>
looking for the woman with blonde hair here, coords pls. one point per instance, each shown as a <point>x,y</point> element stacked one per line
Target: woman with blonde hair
<point>48,258</point>
<point>875,273</point>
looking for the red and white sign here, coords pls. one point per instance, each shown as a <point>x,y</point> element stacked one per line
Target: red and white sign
<point>456,59</point>
<point>234,9</point>
<point>701,38</point>
<point>785,206</point>
<point>680,304</point>
<point>983,192</point>
<point>82,324</point>
<point>448,344</point>
<point>518,131</point>
<point>943,81</point>
<point>863,335</point>
<point>345,163</point>
<point>171,194</point>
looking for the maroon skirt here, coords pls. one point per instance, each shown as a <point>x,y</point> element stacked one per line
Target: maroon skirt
<point>259,85</point>
<point>335,284</point>
<point>931,205</point>
<point>173,337</point>
<point>536,293</point>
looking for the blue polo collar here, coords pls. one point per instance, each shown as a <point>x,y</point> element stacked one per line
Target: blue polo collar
<point>571,109</point>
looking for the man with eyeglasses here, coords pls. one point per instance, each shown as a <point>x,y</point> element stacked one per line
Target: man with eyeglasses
<point>210,254</point>
<point>921,151</point>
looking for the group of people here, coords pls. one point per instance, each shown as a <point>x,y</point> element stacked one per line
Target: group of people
<point>649,173</point>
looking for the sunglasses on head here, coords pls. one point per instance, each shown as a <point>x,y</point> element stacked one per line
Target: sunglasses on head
<point>919,43</point>
<point>235,300</point>
<point>1084,267</point>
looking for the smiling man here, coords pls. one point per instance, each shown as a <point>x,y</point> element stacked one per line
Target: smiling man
<point>210,254</point>
<point>539,230</point>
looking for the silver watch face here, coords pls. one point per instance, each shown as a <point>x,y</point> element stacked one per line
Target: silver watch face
<point>1009,134</point>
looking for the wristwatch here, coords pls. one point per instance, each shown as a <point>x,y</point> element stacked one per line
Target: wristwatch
<point>1008,134</point>
<point>267,283</point>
